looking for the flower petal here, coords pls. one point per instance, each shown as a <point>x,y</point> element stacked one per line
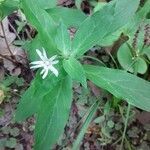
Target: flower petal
<point>36,62</point>
<point>54,70</point>
<point>55,62</point>
<point>43,70</point>
<point>44,53</point>
<point>52,58</point>
<point>36,66</point>
<point>40,54</point>
<point>45,74</point>
<point>45,63</point>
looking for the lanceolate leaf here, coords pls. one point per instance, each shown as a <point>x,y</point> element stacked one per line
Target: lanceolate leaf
<point>32,98</point>
<point>31,46</point>
<point>26,101</point>
<point>41,20</point>
<point>121,84</point>
<point>7,7</point>
<point>63,40</point>
<point>87,120</point>
<point>75,70</point>
<point>101,24</point>
<point>70,17</point>
<point>45,4</point>
<point>53,115</point>
<point>138,20</point>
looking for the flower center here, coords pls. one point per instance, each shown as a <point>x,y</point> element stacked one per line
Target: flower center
<point>47,63</point>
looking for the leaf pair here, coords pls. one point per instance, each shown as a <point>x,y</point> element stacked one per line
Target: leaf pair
<point>70,64</point>
<point>102,24</point>
<point>50,100</point>
<point>60,38</point>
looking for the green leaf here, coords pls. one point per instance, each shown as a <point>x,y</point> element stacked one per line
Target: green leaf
<point>34,95</point>
<point>138,19</point>
<point>99,6</point>
<point>63,40</point>
<point>146,51</point>
<point>31,46</point>
<point>121,84</point>
<point>70,17</point>
<point>128,62</point>
<point>101,24</point>
<point>110,39</point>
<point>99,119</point>
<point>7,7</point>
<point>44,24</point>
<point>3,142</point>
<point>87,120</point>
<point>110,124</point>
<point>75,70</point>
<point>45,4</point>
<point>14,132</point>
<point>53,115</point>
<point>11,143</point>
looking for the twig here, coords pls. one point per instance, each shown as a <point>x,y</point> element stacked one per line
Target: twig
<point>28,34</point>
<point>118,140</point>
<point>113,60</point>
<point>14,62</point>
<point>14,30</point>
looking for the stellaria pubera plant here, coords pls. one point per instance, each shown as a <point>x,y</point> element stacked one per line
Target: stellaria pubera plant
<point>49,97</point>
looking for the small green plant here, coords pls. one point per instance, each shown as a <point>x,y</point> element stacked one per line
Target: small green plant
<point>5,86</point>
<point>57,58</point>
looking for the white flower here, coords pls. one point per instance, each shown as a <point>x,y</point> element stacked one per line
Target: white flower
<point>45,63</point>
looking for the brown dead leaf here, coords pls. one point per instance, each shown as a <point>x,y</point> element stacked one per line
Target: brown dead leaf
<point>16,51</point>
<point>72,32</point>
<point>1,73</point>
<point>65,2</point>
<point>2,96</point>
<point>143,117</point>
<point>6,118</point>
<point>10,38</point>
<point>95,90</point>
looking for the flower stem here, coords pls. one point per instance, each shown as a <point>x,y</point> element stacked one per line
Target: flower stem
<point>126,124</point>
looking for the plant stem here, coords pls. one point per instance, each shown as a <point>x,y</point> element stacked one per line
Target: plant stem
<point>113,60</point>
<point>14,30</point>
<point>11,60</point>
<point>128,144</point>
<point>93,58</point>
<point>125,127</point>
